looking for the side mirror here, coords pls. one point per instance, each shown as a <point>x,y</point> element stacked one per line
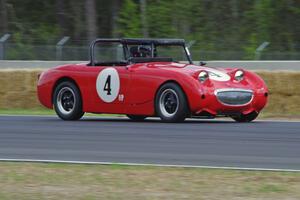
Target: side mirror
<point>202,63</point>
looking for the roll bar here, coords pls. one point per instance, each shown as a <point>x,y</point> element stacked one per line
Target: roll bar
<point>140,41</point>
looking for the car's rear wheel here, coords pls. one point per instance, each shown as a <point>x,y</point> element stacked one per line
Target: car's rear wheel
<point>171,104</point>
<point>136,117</point>
<point>67,101</point>
<point>245,118</point>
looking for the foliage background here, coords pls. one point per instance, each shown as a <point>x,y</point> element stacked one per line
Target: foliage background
<point>231,29</point>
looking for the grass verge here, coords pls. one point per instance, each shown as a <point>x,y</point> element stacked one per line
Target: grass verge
<point>37,111</point>
<point>44,111</point>
<point>77,181</point>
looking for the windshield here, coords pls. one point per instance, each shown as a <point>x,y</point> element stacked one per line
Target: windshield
<point>108,52</point>
<point>116,53</point>
<point>176,52</point>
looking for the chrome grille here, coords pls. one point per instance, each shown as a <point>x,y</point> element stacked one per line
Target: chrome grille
<point>234,97</point>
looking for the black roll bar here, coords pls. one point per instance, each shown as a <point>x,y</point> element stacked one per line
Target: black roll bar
<point>139,41</point>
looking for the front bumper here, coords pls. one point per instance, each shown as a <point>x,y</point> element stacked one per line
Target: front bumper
<point>234,96</point>
<point>232,101</point>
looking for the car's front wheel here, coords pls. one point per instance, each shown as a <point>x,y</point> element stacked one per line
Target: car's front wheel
<point>67,101</point>
<point>245,118</point>
<point>171,104</point>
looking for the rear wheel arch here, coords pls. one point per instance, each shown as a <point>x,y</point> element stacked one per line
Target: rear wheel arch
<point>67,100</point>
<point>64,79</point>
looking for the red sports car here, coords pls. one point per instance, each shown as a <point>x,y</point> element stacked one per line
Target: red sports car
<point>150,77</point>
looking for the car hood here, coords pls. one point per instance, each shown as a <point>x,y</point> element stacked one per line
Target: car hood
<point>217,74</point>
<point>219,77</point>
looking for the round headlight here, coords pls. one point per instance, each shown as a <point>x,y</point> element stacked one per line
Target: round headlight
<point>239,75</point>
<point>203,76</point>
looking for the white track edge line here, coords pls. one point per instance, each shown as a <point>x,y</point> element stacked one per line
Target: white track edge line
<point>149,165</point>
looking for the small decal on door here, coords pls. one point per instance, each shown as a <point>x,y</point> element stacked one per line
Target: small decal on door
<point>121,97</point>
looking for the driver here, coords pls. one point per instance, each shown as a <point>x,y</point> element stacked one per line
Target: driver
<point>140,51</point>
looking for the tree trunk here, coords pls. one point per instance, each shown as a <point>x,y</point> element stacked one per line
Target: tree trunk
<point>90,14</point>
<point>116,4</point>
<point>143,5</point>
<point>77,20</point>
<point>61,19</point>
<point>3,16</point>
<point>234,9</point>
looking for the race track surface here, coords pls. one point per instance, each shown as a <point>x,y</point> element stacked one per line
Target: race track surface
<point>260,144</point>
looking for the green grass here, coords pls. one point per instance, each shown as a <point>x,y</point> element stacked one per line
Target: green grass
<point>79,181</point>
<point>38,111</point>
<point>286,116</point>
<point>44,111</point>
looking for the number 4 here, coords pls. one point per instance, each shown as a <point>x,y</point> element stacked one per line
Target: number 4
<point>107,87</point>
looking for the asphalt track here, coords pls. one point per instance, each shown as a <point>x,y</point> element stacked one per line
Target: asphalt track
<point>220,143</point>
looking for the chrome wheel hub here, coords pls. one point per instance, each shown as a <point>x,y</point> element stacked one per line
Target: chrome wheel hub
<point>168,103</point>
<point>66,100</point>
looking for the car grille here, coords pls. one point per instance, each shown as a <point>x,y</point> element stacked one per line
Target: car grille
<point>234,97</point>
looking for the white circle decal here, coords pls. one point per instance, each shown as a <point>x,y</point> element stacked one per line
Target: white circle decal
<point>108,84</point>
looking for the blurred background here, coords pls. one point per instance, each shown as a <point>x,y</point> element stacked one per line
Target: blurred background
<point>215,29</point>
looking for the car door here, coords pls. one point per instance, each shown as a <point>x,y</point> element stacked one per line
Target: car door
<point>108,87</point>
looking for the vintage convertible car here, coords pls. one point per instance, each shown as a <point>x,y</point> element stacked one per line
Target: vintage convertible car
<point>150,77</point>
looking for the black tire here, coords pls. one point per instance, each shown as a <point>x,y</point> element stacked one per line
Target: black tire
<point>171,104</point>
<point>137,117</point>
<point>67,101</point>
<point>246,118</point>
